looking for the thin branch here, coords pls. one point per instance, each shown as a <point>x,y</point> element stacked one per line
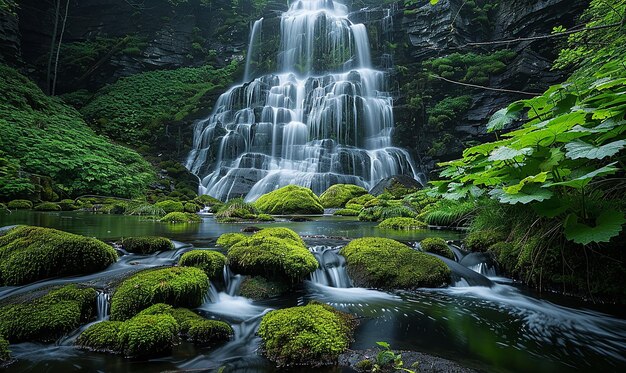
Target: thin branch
<point>487,88</point>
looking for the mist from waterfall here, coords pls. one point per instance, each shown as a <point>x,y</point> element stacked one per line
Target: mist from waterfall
<point>325,117</point>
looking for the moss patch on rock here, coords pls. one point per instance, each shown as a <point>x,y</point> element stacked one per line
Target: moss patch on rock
<point>211,262</point>
<point>20,204</point>
<point>259,288</point>
<point>402,224</point>
<point>29,254</point>
<point>339,194</point>
<point>437,245</point>
<point>315,334</point>
<point>147,245</point>
<point>229,239</point>
<point>387,264</point>
<point>346,212</point>
<point>178,286</point>
<point>291,199</point>
<point>181,217</point>
<point>48,206</point>
<point>170,206</point>
<point>49,317</point>
<point>359,202</point>
<point>5,353</point>
<point>482,240</point>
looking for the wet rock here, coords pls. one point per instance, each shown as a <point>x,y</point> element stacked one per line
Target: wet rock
<point>427,363</point>
<point>395,182</point>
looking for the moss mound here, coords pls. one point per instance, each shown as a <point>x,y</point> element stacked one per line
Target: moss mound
<point>211,262</point>
<point>49,317</point>
<point>437,246</point>
<point>339,194</point>
<point>346,212</point>
<point>358,203</point>
<point>179,286</point>
<point>170,206</point>
<point>259,288</point>
<point>315,334</point>
<point>147,245</point>
<point>388,264</point>
<point>402,224</point>
<point>191,207</point>
<point>20,204</point>
<point>274,253</point>
<point>48,206</point>
<point>181,217</point>
<point>482,240</point>
<point>291,199</point>
<point>229,239</point>
<point>29,254</point>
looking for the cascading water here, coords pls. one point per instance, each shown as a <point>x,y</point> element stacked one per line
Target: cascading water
<point>103,305</point>
<point>332,270</point>
<point>324,118</point>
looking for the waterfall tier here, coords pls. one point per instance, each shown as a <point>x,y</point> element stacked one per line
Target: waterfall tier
<point>325,117</point>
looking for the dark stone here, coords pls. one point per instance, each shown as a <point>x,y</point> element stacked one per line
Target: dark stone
<point>250,229</point>
<point>427,363</point>
<point>393,182</point>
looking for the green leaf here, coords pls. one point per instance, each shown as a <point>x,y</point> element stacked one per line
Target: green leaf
<point>582,181</point>
<point>504,153</point>
<point>514,189</point>
<point>500,119</point>
<point>434,2</point>
<point>551,208</point>
<point>525,196</point>
<point>607,225</point>
<point>383,344</point>
<point>579,149</point>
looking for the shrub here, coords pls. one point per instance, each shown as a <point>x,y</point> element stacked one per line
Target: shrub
<point>482,240</point>
<point>181,217</point>
<point>229,239</point>
<point>147,245</point>
<point>49,317</point>
<point>259,288</point>
<point>291,199</point>
<point>48,206</point>
<point>315,334</point>
<point>437,246</point>
<point>191,207</point>
<point>388,264</point>
<point>346,212</point>
<point>20,204</point>
<point>211,262</point>
<point>170,206</point>
<point>339,194</point>
<point>179,286</point>
<point>236,209</point>
<point>402,224</point>
<point>29,254</point>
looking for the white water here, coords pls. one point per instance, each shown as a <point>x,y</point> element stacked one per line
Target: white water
<point>325,117</point>
<point>332,267</point>
<point>103,306</point>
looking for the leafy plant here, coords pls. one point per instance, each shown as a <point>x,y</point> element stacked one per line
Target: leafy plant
<point>387,360</point>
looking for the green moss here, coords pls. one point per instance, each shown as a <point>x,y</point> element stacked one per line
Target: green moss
<point>482,240</point>
<point>346,212</point>
<point>29,254</point>
<point>265,217</point>
<point>339,194</point>
<point>147,245</point>
<point>259,288</point>
<point>208,201</point>
<point>181,217</point>
<point>191,207</point>
<point>236,209</point>
<point>49,317</point>
<point>447,213</point>
<point>437,245</point>
<point>360,200</point>
<point>102,337</point>
<point>5,353</point>
<point>274,253</point>
<point>148,335</point>
<point>388,264</point>
<point>402,224</point>
<point>48,206</point>
<point>315,335</point>
<point>229,239</point>
<point>20,204</point>
<point>211,262</point>
<point>386,210</point>
<point>179,286</point>
<point>68,205</point>
<point>170,206</point>
<point>291,199</point>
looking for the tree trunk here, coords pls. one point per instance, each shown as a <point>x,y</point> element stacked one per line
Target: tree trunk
<point>56,61</point>
<point>53,40</point>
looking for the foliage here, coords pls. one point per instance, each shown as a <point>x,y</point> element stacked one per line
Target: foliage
<point>470,67</point>
<point>450,213</point>
<point>482,240</point>
<point>388,264</point>
<point>236,209</point>
<point>5,353</point>
<point>211,262</point>
<point>229,239</point>
<point>315,334</point>
<point>259,288</point>
<point>385,209</point>
<point>448,111</point>
<point>28,254</point>
<point>387,360</point>
<point>291,199</point>
<point>170,206</point>
<point>49,317</point>
<point>178,286</point>
<point>437,245</point>
<point>181,217</point>
<point>402,224</point>
<point>42,136</point>
<point>147,245</point>
<point>20,204</point>
<point>339,194</point>
<point>346,212</point>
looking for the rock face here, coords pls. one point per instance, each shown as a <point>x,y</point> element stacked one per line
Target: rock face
<point>10,45</point>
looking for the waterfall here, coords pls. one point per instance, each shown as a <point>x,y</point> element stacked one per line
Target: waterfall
<point>324,117</point>
<point>102,305</point>
<point>332,267</point>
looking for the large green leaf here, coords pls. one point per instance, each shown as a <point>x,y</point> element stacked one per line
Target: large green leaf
<point>504,153</point>
<point>582,181</point>
<point>500,119</point>
<point>514,189</point>
<point>525,196</point>
<point>580,149</point>
<point>607,225</point>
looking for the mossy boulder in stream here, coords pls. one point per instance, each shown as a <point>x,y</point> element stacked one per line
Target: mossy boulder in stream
<point>291,199</point>
<point>178,286</point>
<point>402,224</point>
<point>211,262</point>
<point>170,206</point>
<point>29,254</point>
<point>387,264</point>
<point>274,253</point>
<point>147,245</point>
<point>181,217</point>
<point>20,204</point>
<point>482,240</point>
<point>259,288</point>
<point>48,317</point>
<point>339,194</point>
<point>315,334</point>
<point>48,206</point>
<point>229,239</point>
<point>437,245</point>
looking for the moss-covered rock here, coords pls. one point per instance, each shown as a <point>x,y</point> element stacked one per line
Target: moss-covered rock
<point>482,240</point>
<point>437,245</point>
<point>259,288</point>
<point>274,253</point>
<point>191,207</point>
<point>20,204</point>
<point>346,212</point>
<point>181,217</point>
<point>388,264</point>
<point>229,239</point>
<point>291,199</point>
<point>48,206</point>
<point>178,286</point>
<point>339,194</point>
<point>5,353</point>
<point>236,210</point>
<point>315,334</point>
<point>29,254</point>
<point>359,202</point>
<point>49,317</point>
<point>102,337</point>
<point>211,262</point>
<point>147,245</point>
<point>402,224</point>
<point>170,206</point>
<point>385,210</point>
<point>207,201</point>
<point>68,205</point>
